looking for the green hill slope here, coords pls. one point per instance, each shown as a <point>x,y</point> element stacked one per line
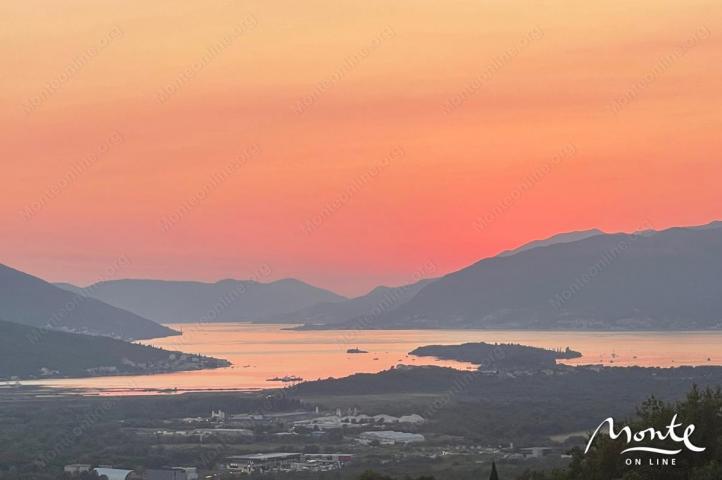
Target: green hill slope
<point>29,352</point>
<point>31,301</point>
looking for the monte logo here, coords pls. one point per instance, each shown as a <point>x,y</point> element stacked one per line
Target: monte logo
<point>642,440</point>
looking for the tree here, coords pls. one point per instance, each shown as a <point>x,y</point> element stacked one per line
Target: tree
<point>703,409</point>
<point>494,475</point>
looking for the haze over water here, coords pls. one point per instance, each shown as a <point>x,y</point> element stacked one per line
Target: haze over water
<point>260,352</point>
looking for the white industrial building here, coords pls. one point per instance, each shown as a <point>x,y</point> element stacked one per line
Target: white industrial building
<point>113,473</point>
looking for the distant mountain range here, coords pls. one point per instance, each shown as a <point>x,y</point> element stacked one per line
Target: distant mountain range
<point>367,310</point>
<point>28,300</point>
<point>554,240</point>
<point>667,280</point>
<point>223,301</point>
<point>28,352</point>
<point>361,309</point>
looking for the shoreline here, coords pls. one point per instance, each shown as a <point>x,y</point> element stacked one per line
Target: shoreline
<point>222,363</point>
<point>123,392</point>
<point>247,371</point>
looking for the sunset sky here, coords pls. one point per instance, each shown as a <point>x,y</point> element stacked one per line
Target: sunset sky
<point>348,144</point>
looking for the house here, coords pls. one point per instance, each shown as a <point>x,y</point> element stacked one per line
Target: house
<point>413,418</point>
<point>77,468</point>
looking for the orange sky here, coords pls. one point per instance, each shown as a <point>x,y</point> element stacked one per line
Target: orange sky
<point>346,143</point>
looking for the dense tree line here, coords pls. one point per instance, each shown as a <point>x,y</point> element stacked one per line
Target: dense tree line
<point>604,461</point>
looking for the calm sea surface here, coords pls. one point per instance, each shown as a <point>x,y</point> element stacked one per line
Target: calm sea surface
<point>262,352</point>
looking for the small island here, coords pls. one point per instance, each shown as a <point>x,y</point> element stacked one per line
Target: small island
<point>497,355</point>
<point>286,379</point>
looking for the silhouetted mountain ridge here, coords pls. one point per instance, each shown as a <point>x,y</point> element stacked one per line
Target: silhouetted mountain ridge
<point>574,281</point>
<point>28,300</point>
<point>373,304</point>
<point>228,300</point>
<point>554,240</point>
<point>653,280</point>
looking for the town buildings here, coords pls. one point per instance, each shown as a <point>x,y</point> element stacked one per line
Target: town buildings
<point>286,462</point>
<point>390,437</point>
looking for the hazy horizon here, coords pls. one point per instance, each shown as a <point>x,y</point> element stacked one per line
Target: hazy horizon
<point>122,269</point>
